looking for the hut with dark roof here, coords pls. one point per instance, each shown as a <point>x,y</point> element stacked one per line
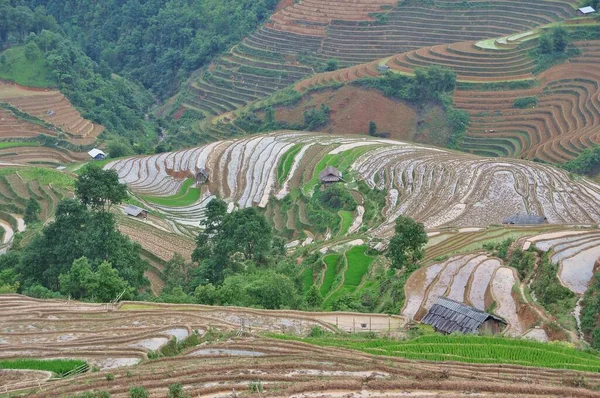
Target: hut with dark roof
<point>330,175</point>
<point>525,219</point>
<point>201,176</point>
<point>448,316</point>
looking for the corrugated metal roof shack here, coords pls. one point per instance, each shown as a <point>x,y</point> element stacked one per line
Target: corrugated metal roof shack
<point>449,316</point>
<point>525,219</point>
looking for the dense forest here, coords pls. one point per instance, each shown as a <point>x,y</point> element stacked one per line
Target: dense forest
<point>153,42</point>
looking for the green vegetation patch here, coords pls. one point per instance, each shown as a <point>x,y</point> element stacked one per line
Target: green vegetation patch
<point>307,279</point>
<point>16,144</point>
<point>358,266</point>
<point>346,221</point>
<point>57,366</point>
<point>186,196</point>
<point>331,261</point>
<point>48,177</point>
<point>525,102</point>
<point>32,71</point>
<point>286,162</point>
<point>470,349</point>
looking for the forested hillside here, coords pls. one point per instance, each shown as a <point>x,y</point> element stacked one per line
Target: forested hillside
<point>156,43</point>
<point>114,60</point>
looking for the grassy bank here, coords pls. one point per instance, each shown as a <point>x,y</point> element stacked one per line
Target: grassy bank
<point>471,349</point>
<point>186,196</point>
<point>57,366</point>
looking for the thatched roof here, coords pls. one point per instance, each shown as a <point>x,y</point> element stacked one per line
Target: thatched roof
<point>525,219</point>
<point>330,174</point>
<point>450,316</point>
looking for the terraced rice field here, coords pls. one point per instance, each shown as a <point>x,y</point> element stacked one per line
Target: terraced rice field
<point>17,186</point>
<point>557,129</point>
<point>564,123</point>
<point>13,128</point>
<point>438,187</point>
<point>475,279</point>
<point>52,107</point>
<point>355,33</point>
<point>115,342</point>
<point>576,251</point>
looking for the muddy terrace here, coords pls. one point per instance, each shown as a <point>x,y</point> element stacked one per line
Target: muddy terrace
<point>117,342</point>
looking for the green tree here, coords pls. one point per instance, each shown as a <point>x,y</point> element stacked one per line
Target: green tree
<point>32,51</point>
<point>32,211</point>
<point>406,248</point>
<point>178,273</point>
<point>110,284</point>
<point>118,149</point>
<point>560,39</point>
<point>314,299</point>
<point>100,189</point>
<point>78,232</point>
<point>206,294</point>
<point>103,285</point>
<point>80,281</point>
<point>336,197</point>
<point>545,44</point>
<point>331,65</point>
<point>244,231</point>
<point>216,210</point>
<point>372,128</point>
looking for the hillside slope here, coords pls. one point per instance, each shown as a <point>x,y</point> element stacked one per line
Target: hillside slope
<point>301,38</point>
<point>441,188</point>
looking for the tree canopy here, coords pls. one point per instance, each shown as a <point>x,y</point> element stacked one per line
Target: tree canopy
<point>155,43</point>
<point>407,246</point>
<point>100,189</point>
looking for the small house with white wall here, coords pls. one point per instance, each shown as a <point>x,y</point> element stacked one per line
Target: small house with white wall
<point>97,154</point>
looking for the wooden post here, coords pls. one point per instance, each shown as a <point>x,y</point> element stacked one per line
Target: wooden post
<point>354,324</point>
<point>370,324</point>
<point>389,323</point>
<point>336,322</point>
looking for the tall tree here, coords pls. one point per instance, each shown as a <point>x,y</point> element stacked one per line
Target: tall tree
<point>32,211</point>
<point>406,248</point>
<point>100,189</point>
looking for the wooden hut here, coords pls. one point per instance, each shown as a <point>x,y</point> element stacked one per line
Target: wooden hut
<point>330,175</point>
<point>201,176</point>
<point>448,316</point>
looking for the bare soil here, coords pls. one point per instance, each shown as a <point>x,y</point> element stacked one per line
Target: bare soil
<point>352,108</point>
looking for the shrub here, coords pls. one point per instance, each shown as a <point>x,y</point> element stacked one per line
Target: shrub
<point>176,391</point>
<point>94,394</point>
<point>110,376</point>
<point>586,163</point>
<point>256,386</point>
<point>138,392</point>
<point>525,102</point>
<point>153,354</point>
<point>331,65</point>
<point>336,197</point>
<point>315,118</point>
